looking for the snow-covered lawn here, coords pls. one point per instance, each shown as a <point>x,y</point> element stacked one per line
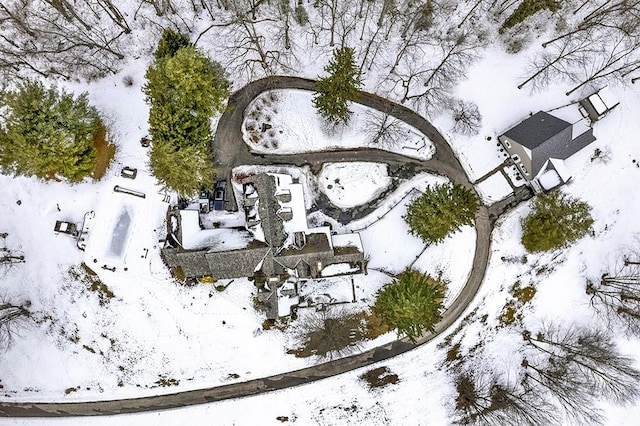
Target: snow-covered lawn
<point>285,122</point>
<point>353,184</point>
<point>494,188</point>
<point>451,260</point>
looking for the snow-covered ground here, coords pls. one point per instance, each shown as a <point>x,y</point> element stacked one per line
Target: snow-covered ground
<point>353,184</point>
<point>173,332</point>
<point>286,122</point>
<point>494,188</point>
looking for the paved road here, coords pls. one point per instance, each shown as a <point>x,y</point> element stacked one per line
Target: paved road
<point>230,151</point>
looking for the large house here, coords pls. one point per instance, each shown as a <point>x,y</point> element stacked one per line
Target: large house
<point>282,247</point>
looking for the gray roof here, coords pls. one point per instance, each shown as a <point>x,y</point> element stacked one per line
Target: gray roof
<point>235,263</point>
<point>268,208</point>
<point>548,137</point>
<point>193,263</point>
<point>537,129</point>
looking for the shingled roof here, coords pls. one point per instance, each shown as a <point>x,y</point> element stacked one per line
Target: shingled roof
<point>235,263</point>
<point>268,208</point>
<point>537,129</point>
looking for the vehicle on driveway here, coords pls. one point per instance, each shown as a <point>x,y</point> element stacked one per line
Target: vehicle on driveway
<point>219,193</point>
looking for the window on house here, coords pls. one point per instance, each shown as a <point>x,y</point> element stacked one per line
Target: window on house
<point>507,144</point>
<point>515,158</point>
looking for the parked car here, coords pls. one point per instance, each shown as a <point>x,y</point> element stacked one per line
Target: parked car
<point>219,193</point>
<point>66,228</point>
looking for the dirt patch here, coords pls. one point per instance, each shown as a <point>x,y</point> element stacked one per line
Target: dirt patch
<point>379,377</point>
<point>105,152</point>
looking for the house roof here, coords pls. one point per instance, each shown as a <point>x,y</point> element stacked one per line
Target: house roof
<point>268,208</point>
<point>235,263</point>
<point>537,129</point>
<point>193,263</point>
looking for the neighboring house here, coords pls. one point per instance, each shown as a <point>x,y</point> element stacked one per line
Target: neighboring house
<point>540,143</point>
<point>283,248</point>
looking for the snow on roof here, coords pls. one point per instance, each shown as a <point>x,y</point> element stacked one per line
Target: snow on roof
<point>347,240</point>
<point>561,168</point>
<point>285,303</point>
<point>338,269</point>
<point>607,97</point>
<point>598,103</point>
<point>220,239</point>
<point>298,210</point>
<point>579,128</point>
<point>549,179</point>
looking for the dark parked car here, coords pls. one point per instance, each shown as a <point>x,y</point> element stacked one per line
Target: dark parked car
<point>219,193</point>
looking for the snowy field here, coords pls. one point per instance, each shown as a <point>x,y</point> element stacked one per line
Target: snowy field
<point>286,122</point>
<point>494,188</point>
<point>352,184</point>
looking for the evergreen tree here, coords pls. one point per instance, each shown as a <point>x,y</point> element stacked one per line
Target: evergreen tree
<point>556,220</point>
<point>170,43</point>
<point>186,170</point>
<point>411,304</point>
<point>338,88</point>
<point>441,210</point>
<point>184,90</point>
<point>48,133</point>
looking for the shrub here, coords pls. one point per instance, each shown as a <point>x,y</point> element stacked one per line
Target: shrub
<point>556,220</point>
<point>440,211</point>
<point>529,8</point>
<point>411,304</point>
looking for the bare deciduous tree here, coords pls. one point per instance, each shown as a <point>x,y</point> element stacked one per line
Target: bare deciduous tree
<point>329,333</point>
<point>8,257</point>
<point>583,355</point>
<point>466,117</point>
<point>60,38</point>
<point>482,400</point>
<point>384,130</point>
<point>616,296</point>
<point>11,317</point>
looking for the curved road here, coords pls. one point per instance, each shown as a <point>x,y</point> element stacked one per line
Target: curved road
<point>231,151</point>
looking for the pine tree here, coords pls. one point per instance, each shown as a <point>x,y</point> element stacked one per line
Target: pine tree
<point>185,171</point>
<point>338,88</point>
<point>48,133</point>
<point>556,220</point>
<point>170,43</point>
<point>184,91</point>
<point>411,304</point>
<point>440,211</point>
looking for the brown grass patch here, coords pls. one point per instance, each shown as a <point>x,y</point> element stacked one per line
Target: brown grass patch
<point>105,152</point>
<point>379,377</point>
<point>374,325</point>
